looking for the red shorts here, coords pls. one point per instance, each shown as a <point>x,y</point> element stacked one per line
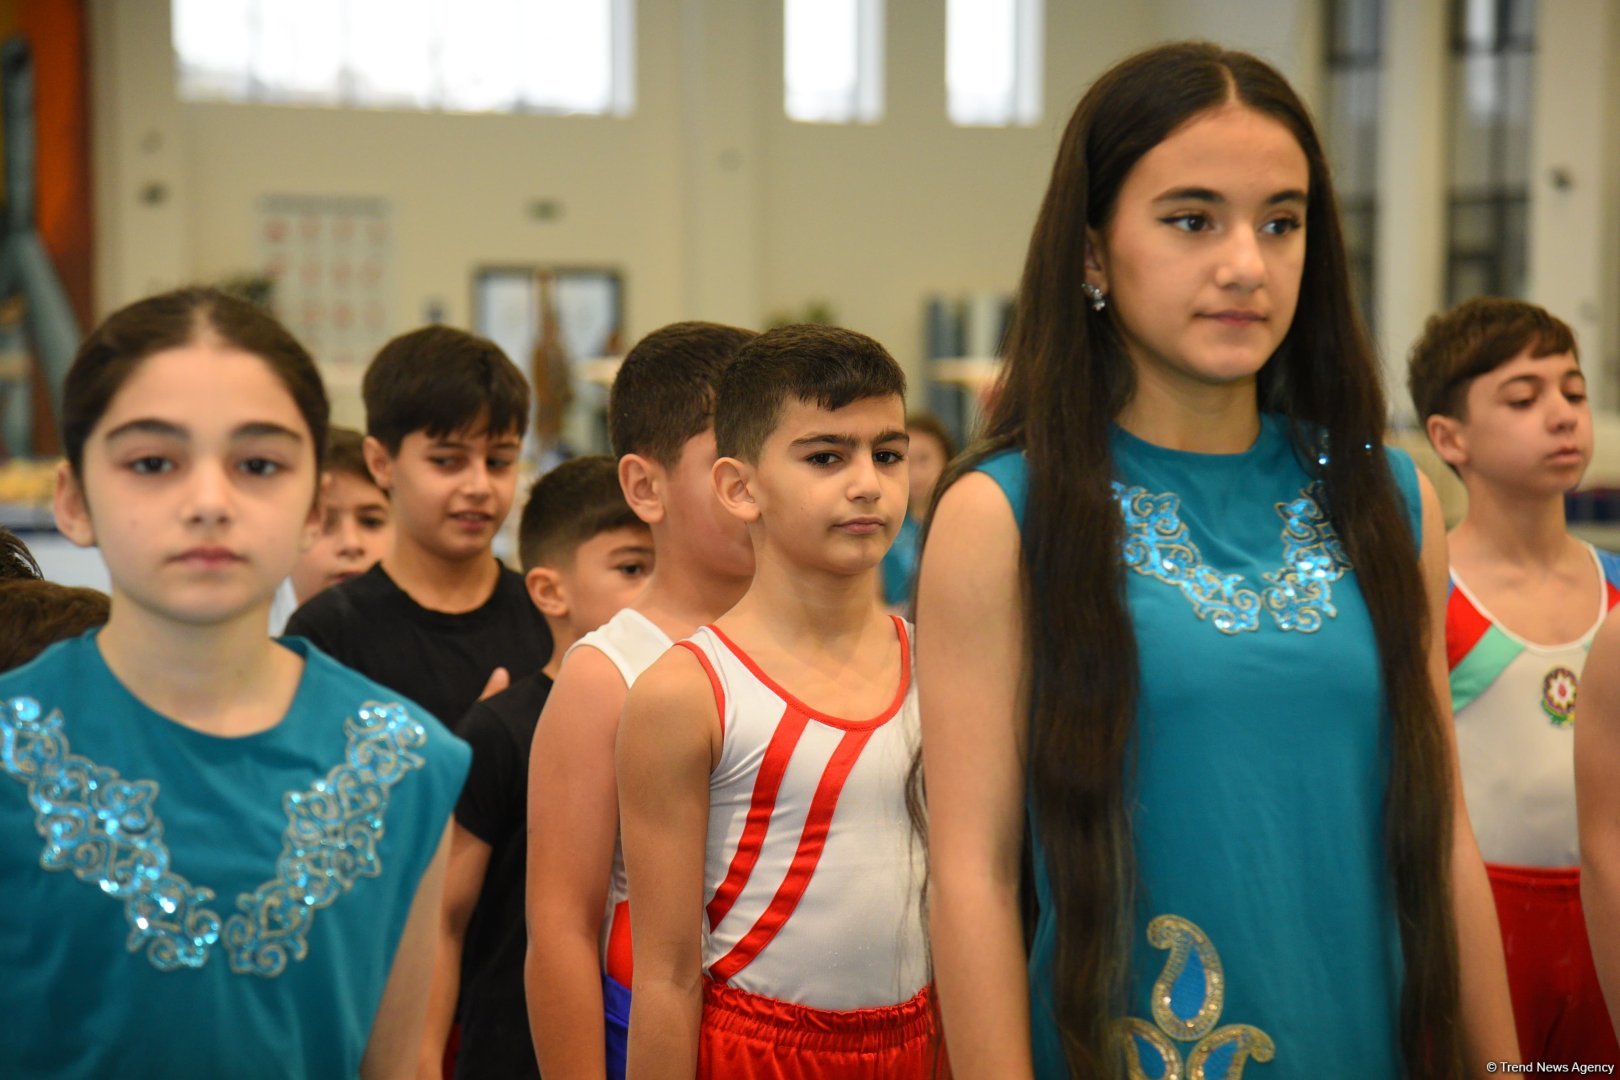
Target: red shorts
<point>1557,1003</point>
<point>748,1037</point>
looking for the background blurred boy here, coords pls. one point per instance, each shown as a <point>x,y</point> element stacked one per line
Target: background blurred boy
<point>439,619</point>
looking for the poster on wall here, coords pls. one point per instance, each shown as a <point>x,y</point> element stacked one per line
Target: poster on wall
<point>330,259</point>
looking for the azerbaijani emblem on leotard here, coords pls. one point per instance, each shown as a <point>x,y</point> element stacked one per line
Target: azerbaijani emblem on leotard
<point>1558,692</point>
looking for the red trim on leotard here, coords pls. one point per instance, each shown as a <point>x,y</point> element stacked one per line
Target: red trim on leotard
<point>812,842</point>
<point>714,680</point>
<point>1611,597</point>
<point>617,962</point>
<point>815,714</point>
<point>767,783</point>
<point>1465,625</point>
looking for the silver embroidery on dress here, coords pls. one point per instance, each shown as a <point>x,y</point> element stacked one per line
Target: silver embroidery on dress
<point>105,829</point>
<point>1297,596</point>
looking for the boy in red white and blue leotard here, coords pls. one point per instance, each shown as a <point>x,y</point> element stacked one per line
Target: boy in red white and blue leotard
<point>1504,401</point>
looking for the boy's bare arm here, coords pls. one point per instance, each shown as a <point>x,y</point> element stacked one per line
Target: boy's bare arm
<point>666,745</point>
<point>463,882</point>
<point>396,1031</point>
<point>573,824</point>
<point>1597,799</point>
<point>1487,1011</point>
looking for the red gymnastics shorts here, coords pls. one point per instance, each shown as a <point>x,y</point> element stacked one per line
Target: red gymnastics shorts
<point>748,1037</point>
<point>1557,1002</point>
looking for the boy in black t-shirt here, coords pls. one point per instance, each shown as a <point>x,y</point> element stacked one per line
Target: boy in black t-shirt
<point>438,619</point>
<point>585,555</point>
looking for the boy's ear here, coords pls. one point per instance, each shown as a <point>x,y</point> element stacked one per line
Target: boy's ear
<point>548,591</point>
<point>731,478</point>
<point>379,462</point>
<point>643,481</point>
<point>72,511</point>
<point>1447,437</point>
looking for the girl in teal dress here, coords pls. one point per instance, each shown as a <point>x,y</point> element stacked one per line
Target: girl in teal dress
<point>1174,639</point>
<point>222,854</point>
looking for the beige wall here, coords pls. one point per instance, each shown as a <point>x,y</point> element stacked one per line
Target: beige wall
<point>715,206</point>
<point>711,202</point>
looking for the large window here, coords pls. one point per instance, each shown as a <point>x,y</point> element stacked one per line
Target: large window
<point>1355,65</point>
<point>552,56</point>
<point>1492,63</point>
<point>833,60</point>
<point>993,70</point>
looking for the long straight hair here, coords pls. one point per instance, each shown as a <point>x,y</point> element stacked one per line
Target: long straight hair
<point>1066,379</point>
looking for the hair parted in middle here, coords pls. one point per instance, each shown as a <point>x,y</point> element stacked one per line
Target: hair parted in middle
<point>438,380</point>
<point>826,366</point>
<point>577,500</point>
<point>1066,378</point>
<point>1473,339</point>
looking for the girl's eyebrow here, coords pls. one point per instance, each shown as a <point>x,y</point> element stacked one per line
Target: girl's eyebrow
<point>1209,195</point>
<point>149,426</point>
<point>253,429</point>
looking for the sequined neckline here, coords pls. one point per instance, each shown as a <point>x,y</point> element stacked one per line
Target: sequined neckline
<point>105,829</point>
<point>1298,595</point>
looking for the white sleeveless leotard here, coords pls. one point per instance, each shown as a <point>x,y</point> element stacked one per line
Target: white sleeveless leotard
<point>632,643</point>
<point>813,875</point>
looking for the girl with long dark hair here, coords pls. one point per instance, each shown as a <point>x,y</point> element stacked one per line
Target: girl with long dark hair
<point>1174,638</point>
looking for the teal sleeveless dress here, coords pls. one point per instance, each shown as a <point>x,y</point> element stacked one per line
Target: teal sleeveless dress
<point>185,905</point>
<point>1265,940</point>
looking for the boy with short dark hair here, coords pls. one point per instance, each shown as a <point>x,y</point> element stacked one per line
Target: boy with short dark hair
<point>439,619</point>
<point>660,418</point>
<point>355,528</point>
<point>585,555</point>
<point>763,763</point>
<point>1503,399</point>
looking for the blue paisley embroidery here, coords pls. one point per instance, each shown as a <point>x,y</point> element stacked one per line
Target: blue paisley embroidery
<point>1297,596</point>
<point>106,830</point>
<point>1186,1001</point>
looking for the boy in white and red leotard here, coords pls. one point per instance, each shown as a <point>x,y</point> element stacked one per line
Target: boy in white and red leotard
<point>763,761</point>
<point>1503,398</point>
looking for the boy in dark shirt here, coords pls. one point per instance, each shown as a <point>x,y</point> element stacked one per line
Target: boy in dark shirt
<point>439,619</point>
<point>585,555</point>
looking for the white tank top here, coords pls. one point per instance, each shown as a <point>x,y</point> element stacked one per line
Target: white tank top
<point>813,875</point>
<point>632,642</point>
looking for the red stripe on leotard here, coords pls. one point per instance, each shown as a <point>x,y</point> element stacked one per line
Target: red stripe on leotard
<point>811,843</point>
<point>1465,625</point>
<point>760,808</point>
<point>714,681</point>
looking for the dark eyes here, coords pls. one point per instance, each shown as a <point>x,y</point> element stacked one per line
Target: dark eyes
<point>632,569</point>
<point>882,457</point>
<point>1194,222</point>
<point>151,465</point>
<point>157,465</point>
